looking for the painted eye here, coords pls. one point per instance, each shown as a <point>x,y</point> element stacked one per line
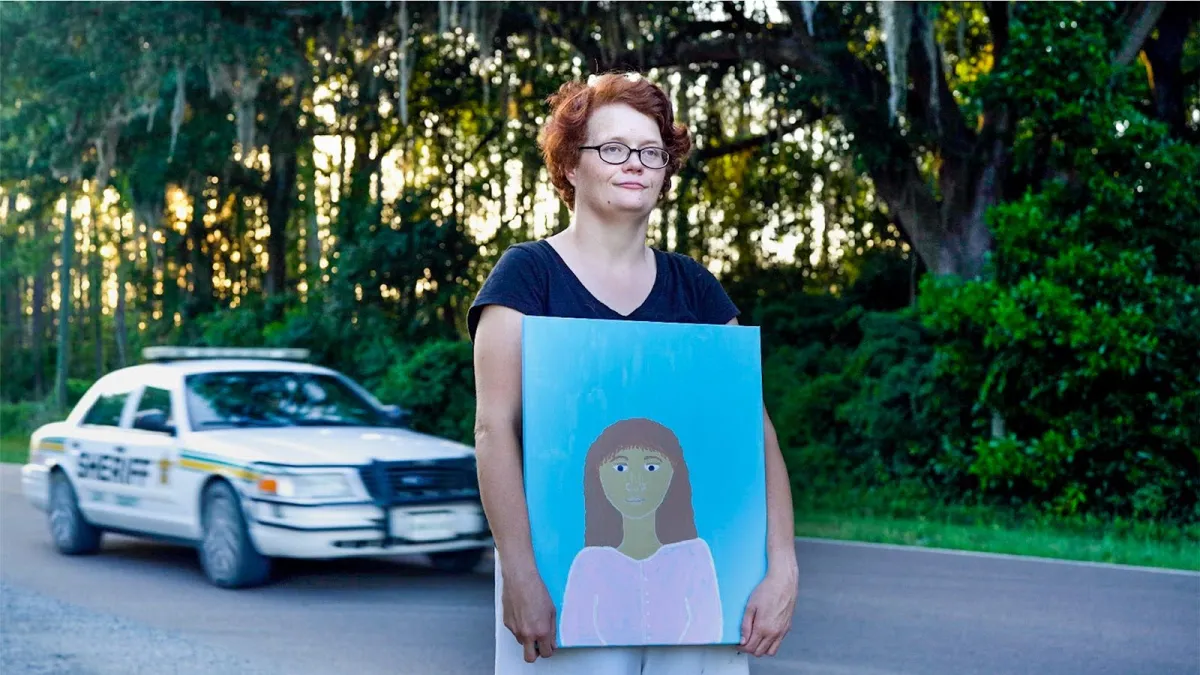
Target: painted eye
<point>652,467</point>
<point>621,468</point>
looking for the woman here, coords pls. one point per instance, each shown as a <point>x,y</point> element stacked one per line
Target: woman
<point>644,575</point>
<point>611,148</point>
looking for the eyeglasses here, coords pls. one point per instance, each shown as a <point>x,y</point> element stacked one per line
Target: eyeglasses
<point>618,153</point>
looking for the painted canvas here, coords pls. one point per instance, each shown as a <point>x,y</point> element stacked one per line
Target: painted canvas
<point>645,478</point>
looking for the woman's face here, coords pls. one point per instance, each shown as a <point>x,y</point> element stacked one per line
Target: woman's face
<point>628,187</point>
<point>635,481</point>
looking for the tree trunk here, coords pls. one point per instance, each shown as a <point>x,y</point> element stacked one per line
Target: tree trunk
<point>951,237</point>
<point>14,295</point>
<point>312,228</point>
<point>64,308</point>
<point>95,271</point>
<point>120,336</point>
<point>201,300</point>
<point>14,300</point>
<point>38,320</point>
<point>280,194</point>
<point>148,210</point>
<point>1165,55</point>
<point>237,270</point>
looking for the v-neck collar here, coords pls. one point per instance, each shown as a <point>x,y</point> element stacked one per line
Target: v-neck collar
<point>654,288</point>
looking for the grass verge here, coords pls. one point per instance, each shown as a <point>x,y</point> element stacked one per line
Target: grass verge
<point>896,516</point>
<point>1025,541</point>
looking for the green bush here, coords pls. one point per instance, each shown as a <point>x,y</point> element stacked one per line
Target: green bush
<point>76,388</point>
<point>871,414</point>
<point>24,417</point>
<point>437,385</point>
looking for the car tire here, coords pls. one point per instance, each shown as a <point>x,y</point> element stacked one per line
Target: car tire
<point>227,554</point>
<point>457,562</point>
<point>71,532</point>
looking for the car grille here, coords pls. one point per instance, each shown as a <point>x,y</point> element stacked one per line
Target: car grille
<point>393,483</point>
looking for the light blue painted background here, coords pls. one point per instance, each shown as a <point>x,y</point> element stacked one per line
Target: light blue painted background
<point>704,382</point>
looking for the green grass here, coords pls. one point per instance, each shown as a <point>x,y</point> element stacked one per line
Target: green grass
<point>14,449</point>
<point>904,516</point>
<point>1028,540</point>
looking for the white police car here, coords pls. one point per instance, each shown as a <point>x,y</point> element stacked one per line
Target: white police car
<point>249,455</point>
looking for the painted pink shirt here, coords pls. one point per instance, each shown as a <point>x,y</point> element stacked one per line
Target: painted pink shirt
<point>669,598</point>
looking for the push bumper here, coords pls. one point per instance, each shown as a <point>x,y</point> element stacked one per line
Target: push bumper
<point>35,485</point>
<point>365,529</point>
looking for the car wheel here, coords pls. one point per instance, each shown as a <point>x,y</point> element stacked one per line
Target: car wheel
<point>457,562</point>
<point>72,534</point>
<point>227,555</point>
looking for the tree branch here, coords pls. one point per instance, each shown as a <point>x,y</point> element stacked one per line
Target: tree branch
<point>1141,21</point>
<point>771,46</point>
<point>946,122</point>
<point>747,143</point>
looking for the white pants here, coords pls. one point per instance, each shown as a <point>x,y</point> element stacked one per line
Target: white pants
<point>683,660</point>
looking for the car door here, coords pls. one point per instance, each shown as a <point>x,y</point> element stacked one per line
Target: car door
<point>151,440</point>
<point>96,458</point>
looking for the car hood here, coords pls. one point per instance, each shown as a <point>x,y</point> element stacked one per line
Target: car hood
<point>326,445</point>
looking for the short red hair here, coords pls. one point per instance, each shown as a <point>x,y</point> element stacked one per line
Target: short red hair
<point>571,107</point>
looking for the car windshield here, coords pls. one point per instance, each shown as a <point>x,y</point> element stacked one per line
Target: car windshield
<point>276,399</point>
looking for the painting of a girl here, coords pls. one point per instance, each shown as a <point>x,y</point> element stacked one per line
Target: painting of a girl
<point>644,577</point>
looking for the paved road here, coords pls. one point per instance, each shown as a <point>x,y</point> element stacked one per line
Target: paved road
<point>144,607</point>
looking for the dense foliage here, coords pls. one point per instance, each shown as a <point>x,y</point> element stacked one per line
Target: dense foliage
<point>1085,338</point>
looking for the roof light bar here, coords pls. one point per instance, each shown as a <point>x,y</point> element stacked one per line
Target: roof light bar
<point>181,353</point>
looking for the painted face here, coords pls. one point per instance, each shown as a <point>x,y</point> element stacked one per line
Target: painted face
<point>636,481</point>
<point>624,187</point>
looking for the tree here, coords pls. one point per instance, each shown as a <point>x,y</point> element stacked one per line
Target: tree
<point>939,158</point>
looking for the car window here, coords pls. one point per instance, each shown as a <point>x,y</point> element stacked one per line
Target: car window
<point>106,411</point>
<point>235,399</point>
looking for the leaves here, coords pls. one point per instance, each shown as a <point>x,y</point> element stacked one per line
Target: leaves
<point>1090,324</point>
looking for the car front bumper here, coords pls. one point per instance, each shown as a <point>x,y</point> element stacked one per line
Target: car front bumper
<point>364,529</point>
<point>35,484</point>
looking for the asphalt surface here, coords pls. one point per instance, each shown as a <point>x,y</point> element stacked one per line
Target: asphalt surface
<point>141,607</point>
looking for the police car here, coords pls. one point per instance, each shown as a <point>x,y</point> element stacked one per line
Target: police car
<point>249,455</point>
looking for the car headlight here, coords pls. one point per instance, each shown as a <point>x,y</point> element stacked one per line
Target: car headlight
<point>307,486</point>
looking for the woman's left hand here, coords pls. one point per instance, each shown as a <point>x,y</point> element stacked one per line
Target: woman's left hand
<point>768,615</point>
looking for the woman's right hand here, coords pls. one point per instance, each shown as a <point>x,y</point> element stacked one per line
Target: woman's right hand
<point>529,613</point>
<point>528,610</point>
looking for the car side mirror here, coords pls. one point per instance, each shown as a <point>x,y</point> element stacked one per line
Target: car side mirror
<point>153,420</point>
<point>397,414</point>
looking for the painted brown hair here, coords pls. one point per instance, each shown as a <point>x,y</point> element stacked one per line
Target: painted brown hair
<point>675,519</point>
<point>571,107</point>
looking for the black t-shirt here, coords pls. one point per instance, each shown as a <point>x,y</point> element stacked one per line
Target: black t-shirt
<point>533,279</point>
